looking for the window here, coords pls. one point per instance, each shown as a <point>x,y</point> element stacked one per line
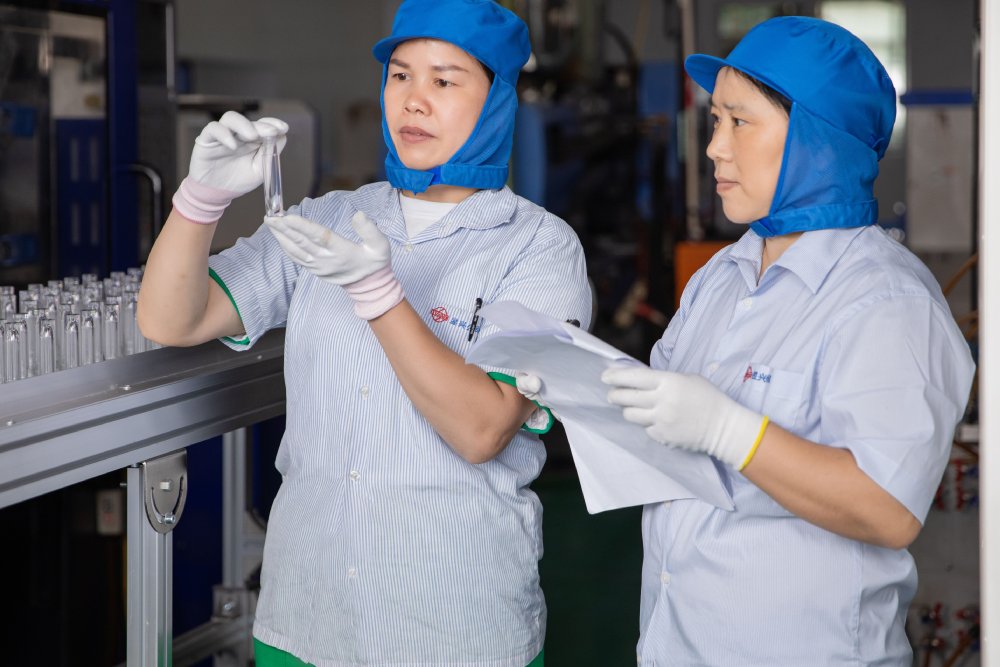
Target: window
<point>881,24</point>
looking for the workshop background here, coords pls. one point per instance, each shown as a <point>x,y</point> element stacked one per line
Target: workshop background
<point>100,102</point>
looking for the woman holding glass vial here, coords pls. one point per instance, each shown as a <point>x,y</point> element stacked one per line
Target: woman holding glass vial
<point>404,531</point>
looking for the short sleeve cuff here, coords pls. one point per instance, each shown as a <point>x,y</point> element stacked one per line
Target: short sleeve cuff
<point>226,274</point>
<point>541,420</point>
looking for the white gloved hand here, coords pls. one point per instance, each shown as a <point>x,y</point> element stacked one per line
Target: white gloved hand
<point>529,385</point>
<point>226,162</point>
<point>686,411</point>
<point>362,269</point>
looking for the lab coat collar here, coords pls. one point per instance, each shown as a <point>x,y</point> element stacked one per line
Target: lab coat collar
<point>811,257</point>
<point>483,210</point>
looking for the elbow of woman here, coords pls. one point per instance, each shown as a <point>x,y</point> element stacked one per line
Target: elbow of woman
<point>146,328</point>
<point>151,329</point>
<point>483,447</point>
<point>899,535</point>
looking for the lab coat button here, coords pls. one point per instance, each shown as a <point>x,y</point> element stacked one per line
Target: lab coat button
<point>746,303</point>
<point>364,391</point>
<point>712,367</point>
<point>352,572</point>
<point>664,578</point>
<point>408,247</point>
<point>355,475</point>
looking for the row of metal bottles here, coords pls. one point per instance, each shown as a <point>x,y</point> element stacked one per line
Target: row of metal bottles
<point>69,323</point>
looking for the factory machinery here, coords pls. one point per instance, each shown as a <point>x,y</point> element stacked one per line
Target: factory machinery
<point>137,408</point>
<point>83,396</point>
<point>87,148</point>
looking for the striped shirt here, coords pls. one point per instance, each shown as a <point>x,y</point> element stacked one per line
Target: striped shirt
<point>846,341</point>
<point>384,546</point>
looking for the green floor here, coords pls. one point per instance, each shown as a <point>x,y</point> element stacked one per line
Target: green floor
<point>590,572</point>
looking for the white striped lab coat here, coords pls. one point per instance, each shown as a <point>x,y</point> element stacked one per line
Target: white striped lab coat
<point>385,547</point>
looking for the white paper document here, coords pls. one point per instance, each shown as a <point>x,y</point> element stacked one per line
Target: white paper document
<point>619,465</point>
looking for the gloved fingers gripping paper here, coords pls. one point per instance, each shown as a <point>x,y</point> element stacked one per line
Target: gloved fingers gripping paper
<point>618,463</point>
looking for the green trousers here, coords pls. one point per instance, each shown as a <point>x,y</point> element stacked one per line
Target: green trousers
<point>268,656</point>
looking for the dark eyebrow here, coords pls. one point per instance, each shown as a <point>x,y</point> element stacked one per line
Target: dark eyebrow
<point>449,68</point>
<point>728,107</point>
<point>437,68</point>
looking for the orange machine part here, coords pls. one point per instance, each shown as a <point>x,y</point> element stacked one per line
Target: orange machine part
<point>689,256</point>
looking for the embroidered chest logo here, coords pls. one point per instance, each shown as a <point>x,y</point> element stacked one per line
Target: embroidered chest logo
<point>762,374</point>
<point>441,316</point>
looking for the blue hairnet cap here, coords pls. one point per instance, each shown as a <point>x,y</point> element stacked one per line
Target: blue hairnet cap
<point>495,36</point>
<point>818,65</point>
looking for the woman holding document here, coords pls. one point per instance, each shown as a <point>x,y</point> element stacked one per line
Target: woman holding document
<point>815,359</point>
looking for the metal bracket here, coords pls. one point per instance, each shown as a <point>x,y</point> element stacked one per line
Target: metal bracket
<point>164,488</point>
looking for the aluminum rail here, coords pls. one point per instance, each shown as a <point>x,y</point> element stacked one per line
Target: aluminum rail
<point>62,428</point>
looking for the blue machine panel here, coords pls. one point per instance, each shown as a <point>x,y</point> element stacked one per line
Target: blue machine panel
<point>81,196</point>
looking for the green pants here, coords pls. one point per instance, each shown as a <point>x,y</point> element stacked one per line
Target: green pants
<point>268,656</point>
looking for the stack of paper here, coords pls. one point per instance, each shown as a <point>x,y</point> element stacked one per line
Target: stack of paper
<point>618,464</point>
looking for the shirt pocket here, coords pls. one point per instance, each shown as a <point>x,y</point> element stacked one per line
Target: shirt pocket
<point>781,398</point>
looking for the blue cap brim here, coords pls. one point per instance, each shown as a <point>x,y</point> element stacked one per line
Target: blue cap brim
<point>384,47</point>
<point>704,69</point>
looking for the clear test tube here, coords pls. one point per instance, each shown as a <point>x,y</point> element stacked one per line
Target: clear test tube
<point>8,301</point>
<point>112,348</point>
<point>273,200</point>
<point>63,306</point>
<point>12,350</point>
<point>91,295</point>
<point>50,307</point>
<point>127,323</point>
<point>32,318</point>
<point>88,279</point>
<point>46,346</point>
<point>71,340</point>
<point>109,287</point>
<point>48,296</point>
<point>71,283</point>
<point>28,304</point>
<point>71,300</point>
<point>139,342</point>
<point>91,346</point>
<point>21,327</point>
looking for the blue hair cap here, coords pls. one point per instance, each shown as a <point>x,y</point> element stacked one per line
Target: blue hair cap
<point>819,66</point>
<point>495,36</point>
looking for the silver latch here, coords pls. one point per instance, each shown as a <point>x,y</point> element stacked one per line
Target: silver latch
<point>164,483</point>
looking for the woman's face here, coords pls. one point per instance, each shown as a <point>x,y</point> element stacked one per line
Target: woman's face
<point>434,93</point>
<point>747,146</point>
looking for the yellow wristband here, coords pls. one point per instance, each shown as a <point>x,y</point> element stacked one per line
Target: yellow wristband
<point>756,443</point>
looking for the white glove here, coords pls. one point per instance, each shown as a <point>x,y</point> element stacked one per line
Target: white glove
<point>686,411</point>
<point>226,163</point>
<point>362,269</point>
<point>530,386</point>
